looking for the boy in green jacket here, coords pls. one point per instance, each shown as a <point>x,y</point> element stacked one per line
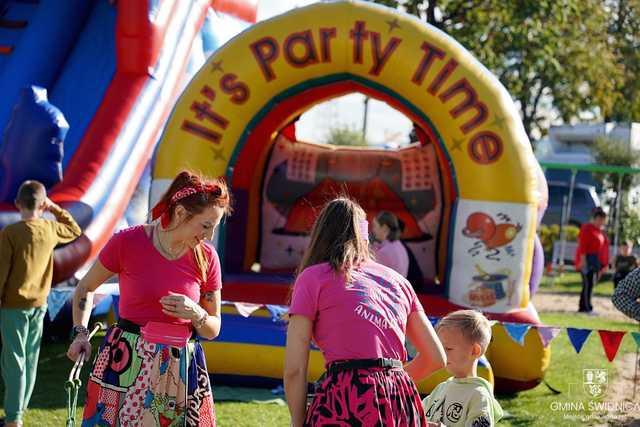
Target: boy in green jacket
<point>464,399</point>
<point>26,270</point>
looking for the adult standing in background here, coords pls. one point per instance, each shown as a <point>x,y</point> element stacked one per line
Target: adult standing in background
<point>592,256</point>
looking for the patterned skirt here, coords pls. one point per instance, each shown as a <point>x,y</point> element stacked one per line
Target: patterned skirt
<point>367,397</point>
<point>138,383</point>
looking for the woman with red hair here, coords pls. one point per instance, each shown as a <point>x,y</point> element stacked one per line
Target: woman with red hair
<point>148,370</point>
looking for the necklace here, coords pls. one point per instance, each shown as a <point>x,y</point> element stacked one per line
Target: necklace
<point>169,254</point>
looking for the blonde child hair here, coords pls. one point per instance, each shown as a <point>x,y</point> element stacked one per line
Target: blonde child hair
<point>473,325</point>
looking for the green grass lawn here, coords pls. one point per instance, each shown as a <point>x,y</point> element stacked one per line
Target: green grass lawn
<point>570,282</point>
<point>530,408</point>
<point>49,402</point>
<point>535,407</point>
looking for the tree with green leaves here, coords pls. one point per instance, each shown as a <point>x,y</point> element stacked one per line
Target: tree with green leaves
<point>625,34</point>
<point>345,135</point>
<point>612,152</point>
<point>555,57</point>
<point>630,226</point>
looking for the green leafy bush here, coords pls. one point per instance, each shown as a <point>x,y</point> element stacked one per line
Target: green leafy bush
<point>549,234</point>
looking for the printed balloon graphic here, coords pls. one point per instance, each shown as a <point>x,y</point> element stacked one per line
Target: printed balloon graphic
<point>490,236</point>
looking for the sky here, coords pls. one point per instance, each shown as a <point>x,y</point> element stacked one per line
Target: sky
<point>384,124</point>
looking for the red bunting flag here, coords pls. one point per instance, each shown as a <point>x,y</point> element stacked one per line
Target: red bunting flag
<point>611,342</point>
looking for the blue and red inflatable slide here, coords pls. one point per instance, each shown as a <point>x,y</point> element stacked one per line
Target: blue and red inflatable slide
<point>114,69</point>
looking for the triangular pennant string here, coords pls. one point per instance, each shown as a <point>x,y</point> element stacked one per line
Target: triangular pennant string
<point>434,321</point>
<point>547,334</point>
<point>517,331</point>
<point>245,309</point>
<point>636,337</point>
<point>578,337</point>
<point>611,342</point>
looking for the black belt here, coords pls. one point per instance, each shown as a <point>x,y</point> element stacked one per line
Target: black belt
<point>128,326</point>
<point>344,365</point>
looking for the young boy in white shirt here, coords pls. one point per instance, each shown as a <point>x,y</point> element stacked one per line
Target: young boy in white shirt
<point>464,399</point>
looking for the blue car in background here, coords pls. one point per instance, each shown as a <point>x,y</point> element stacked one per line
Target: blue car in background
<point>585,199</point>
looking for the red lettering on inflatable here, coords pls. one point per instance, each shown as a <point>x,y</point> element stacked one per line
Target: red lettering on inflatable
<point>431,53</point>
<point>201,131</point>
<point>470,101</point>
<point>442,76</point>
<point>485,148</point>
<point>326,34</point>
<point>203,111</point>
<point>208,93</point>
<point>265,51</point>
<point>381,56</point>
<point>304,39</point>
<point>358,35</point>
<point>238,90</point>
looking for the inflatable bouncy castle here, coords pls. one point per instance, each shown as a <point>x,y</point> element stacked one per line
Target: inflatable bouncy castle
<point>469,190</point>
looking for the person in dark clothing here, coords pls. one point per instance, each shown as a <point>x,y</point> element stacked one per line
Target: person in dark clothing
<point>592,256</point>
<point>626,296</point>
<point>624,263</point>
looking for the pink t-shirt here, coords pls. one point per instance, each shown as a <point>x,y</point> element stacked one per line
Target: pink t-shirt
<point>393,255</point>
<point>146,276</point>
<point>365,320</point>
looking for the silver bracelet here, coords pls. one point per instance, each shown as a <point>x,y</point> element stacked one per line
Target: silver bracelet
<point>199,323</point>
<point>79,330</point>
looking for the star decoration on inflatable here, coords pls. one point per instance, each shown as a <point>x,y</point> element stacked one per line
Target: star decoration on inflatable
<point>217,154</point>
<point>393,24</point>
<point>457,143</point>
<point>498,122</point>
<point>217,66</point>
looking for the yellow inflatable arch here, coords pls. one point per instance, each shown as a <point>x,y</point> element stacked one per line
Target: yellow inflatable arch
<point>227,119</point>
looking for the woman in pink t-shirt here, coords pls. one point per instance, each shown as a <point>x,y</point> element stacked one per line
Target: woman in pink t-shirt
<point>148,370</point>
<point>389,251</point>
<point>357,312</point>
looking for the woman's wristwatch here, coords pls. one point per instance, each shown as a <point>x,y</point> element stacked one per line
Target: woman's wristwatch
<point>79,330</point>
<point>200,321</point>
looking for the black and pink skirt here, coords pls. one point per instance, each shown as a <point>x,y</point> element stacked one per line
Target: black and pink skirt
<point>367,397</point>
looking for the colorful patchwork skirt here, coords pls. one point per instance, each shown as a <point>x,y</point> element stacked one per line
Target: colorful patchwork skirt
<point>138,383</point>
<point>367,397</point>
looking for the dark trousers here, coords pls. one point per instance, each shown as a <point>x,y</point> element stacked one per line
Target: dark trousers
<point>618,276</point>
<point>589,279</point>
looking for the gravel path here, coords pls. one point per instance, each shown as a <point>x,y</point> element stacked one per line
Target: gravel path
<point>568,303</point>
